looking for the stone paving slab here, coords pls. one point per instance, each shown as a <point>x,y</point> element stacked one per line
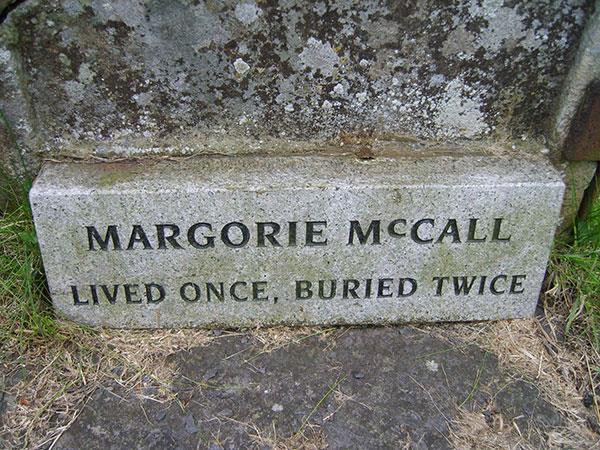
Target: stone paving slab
<point>400,386</point>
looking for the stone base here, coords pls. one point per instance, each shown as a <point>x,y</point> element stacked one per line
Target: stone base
<point>299,240</point>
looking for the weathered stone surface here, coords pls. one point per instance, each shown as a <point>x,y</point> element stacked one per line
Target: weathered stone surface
<point>123,77</point>
<point>412,386</point>
<point>403,222</point>
<point>584,70</point>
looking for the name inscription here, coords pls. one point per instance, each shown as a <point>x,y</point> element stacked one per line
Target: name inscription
<point>204,235</point>
<point>290,234</point>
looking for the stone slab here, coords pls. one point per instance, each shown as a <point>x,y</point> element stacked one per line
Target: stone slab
<point>405,386</point>
<point>116,78</point>
<point>246,241</point>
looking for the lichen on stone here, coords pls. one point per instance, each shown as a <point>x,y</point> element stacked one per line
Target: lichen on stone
<point>100,74</point>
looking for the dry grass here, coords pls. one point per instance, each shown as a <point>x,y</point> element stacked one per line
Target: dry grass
<point>561,368</point>
<point>523,345</point>
<point>275,338</point>
<point>48,383</point>
<point>470,431</point>
<point>312,438</point>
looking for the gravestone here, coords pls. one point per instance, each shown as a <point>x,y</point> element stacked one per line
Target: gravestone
<point>328,239</point>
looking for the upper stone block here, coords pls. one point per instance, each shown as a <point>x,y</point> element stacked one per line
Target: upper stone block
<point>237,77</point>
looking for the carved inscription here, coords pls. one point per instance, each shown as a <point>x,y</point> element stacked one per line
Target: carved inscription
<point>204,236</point>
<point>219,241</point>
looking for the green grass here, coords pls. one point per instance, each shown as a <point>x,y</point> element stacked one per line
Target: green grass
<point>25,311</point>
<point>576,268</point>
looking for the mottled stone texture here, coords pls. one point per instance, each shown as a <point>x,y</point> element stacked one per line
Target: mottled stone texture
<point>584,70</point>
<point>471,218</point>
<point>129,77</point>
<point>383,370</point>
